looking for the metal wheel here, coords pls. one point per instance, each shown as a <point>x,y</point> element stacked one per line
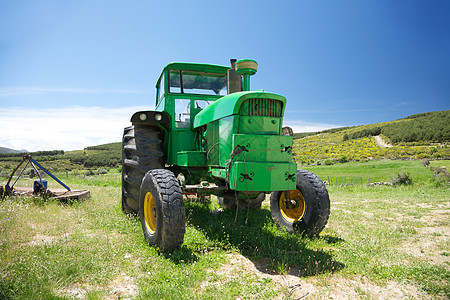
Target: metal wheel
<point>150,213</point>
<point>297,207</point>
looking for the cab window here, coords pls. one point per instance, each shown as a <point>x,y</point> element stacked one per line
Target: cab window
<point>200,83</point>
<point>182,113</point>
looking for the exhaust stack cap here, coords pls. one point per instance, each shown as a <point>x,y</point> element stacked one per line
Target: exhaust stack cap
<point>246,68</point>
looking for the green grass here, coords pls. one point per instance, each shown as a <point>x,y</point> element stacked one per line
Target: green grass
<point>48,249</point>
<point>382,234</point>
<point>381,229</point>
<point>376,171</point>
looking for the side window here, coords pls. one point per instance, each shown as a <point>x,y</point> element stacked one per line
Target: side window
<point>182,113</point>
<point>174,82</point>
<point>201,104</point>
<point>161,88</point>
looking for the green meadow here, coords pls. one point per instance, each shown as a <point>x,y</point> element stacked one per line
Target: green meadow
<point>389,241</point>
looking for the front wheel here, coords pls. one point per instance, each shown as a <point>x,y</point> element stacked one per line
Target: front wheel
<point>309,206</point>
<point>161,210</point>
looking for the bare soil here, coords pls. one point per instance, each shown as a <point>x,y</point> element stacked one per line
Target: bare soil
<point>380,142</point>
<point>336,287</point>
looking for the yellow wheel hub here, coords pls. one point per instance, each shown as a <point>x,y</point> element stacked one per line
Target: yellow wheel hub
<point>296,213</point>
<point>150,212</point>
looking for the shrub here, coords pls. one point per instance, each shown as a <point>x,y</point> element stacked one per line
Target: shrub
<point>441,176</point>
<point>343,159</point>
<point>100,171</point>
<point>88,173</point>
<point>402,179</point>
<point>329,162</point>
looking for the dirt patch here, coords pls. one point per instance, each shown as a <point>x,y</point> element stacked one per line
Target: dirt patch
<point>361,288</point>
<point>40,239</point>
<point>290,285</point>
<point>432,240</point>
<point>123,287</point>
<point>380,142</point>
<point>294,287</point>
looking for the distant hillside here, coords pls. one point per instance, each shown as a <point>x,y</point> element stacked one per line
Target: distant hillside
<point>424,127</point>
<point>7,150</point>
<point>418,136</point>
<point>109,147</point>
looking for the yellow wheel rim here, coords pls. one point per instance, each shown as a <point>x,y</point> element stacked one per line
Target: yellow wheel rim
<point>150,213</point>
<point>293,214</point>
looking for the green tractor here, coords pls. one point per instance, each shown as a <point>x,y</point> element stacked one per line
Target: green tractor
<point>209,134</point>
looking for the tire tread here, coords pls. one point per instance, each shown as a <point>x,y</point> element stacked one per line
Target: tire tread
<point>141,151</point>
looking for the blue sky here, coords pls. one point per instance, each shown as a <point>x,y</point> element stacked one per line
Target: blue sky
<point>73,72</point>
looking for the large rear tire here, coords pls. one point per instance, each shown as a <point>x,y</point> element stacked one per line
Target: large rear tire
<point>142,150</point>
<point>310,205</point>
<point>161,210</point>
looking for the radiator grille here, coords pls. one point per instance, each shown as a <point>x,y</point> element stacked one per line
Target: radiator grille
<point>262,107</point>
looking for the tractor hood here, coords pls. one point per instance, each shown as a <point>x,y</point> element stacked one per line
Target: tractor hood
<point>230,105</point>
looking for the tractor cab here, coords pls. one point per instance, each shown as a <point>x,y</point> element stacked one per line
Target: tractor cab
<point>183,90</point>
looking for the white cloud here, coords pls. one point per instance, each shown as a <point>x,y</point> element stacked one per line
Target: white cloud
<point>71,128</point>
<point>302,126</point>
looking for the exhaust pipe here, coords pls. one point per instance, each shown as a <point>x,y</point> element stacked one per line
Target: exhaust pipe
<point>246,68</point>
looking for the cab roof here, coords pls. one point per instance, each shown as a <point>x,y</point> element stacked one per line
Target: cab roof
<point>197,67</point>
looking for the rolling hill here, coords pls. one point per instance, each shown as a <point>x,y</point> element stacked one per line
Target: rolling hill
<point>418,136</point>
<point>8,150</point>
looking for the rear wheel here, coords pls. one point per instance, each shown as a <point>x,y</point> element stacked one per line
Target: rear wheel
<point>309,206</point>
<point>141,151</point>
<point>161,210</point>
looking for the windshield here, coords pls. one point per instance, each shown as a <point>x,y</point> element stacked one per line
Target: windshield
<point>191,82</point>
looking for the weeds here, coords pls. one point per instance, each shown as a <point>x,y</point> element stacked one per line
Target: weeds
<point>402,179</point>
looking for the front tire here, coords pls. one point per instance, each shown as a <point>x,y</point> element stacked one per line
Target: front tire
<point>311,208</point>
<point>161,210</point>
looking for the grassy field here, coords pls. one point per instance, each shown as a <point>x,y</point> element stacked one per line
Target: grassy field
<point>378,171</point>
<point>381,242</point>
